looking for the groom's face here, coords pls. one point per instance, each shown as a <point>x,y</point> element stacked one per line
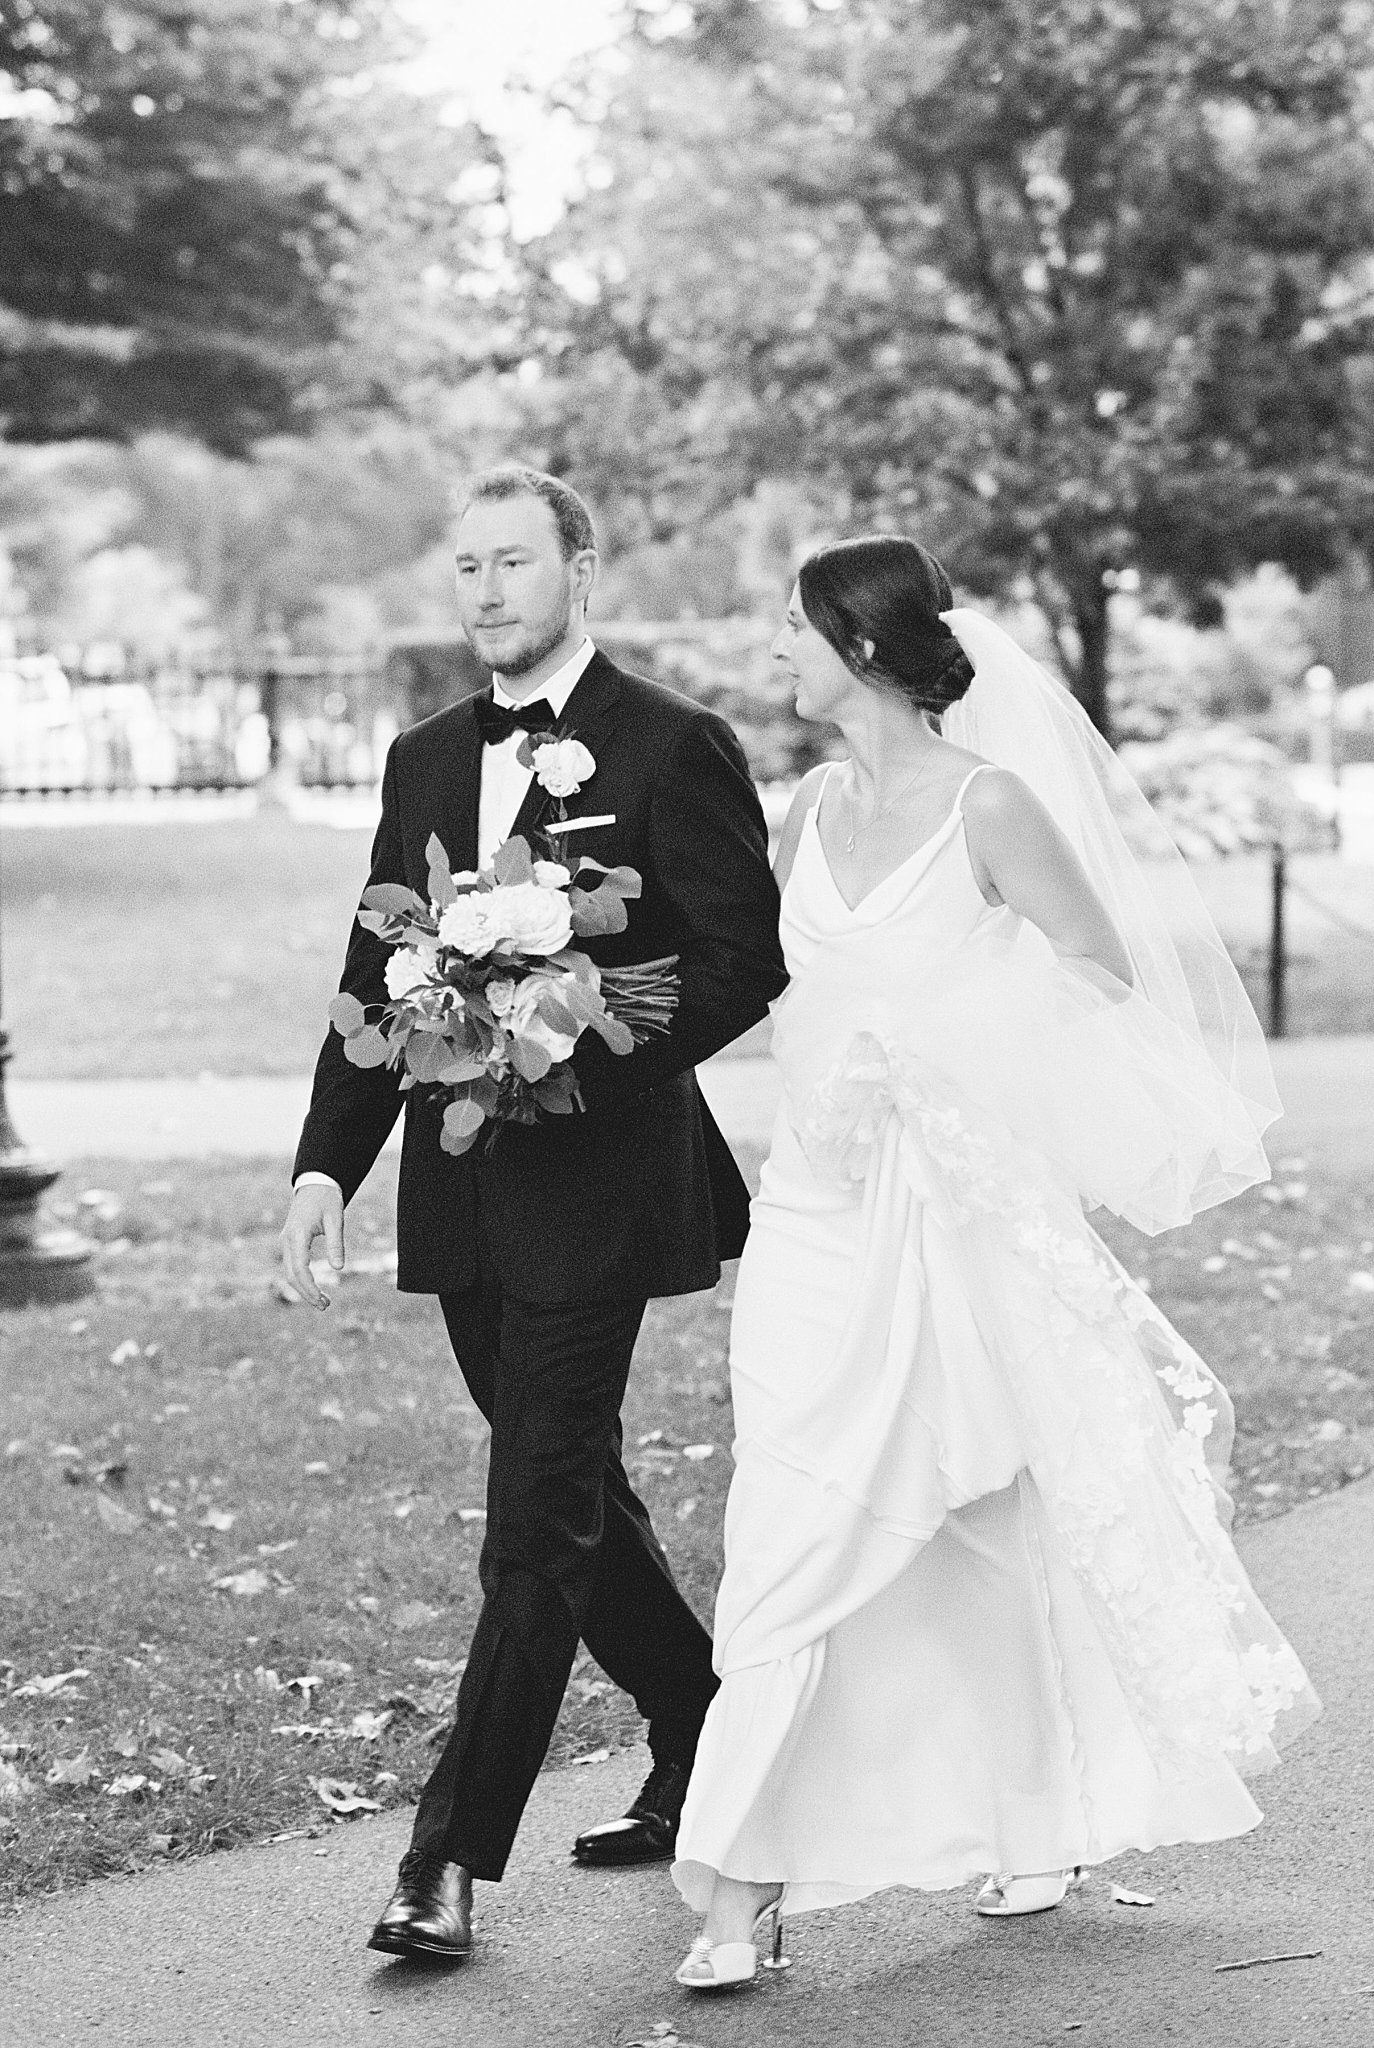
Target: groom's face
<point>517,592</point>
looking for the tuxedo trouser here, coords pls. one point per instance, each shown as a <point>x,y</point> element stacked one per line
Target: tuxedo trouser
<point>569,1553</point>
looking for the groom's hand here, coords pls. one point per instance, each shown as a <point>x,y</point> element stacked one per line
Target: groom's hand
<point>317,1211</point>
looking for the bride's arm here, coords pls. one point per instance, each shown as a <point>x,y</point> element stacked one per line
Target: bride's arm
<point>807,791</point>
<point>1021,858</point>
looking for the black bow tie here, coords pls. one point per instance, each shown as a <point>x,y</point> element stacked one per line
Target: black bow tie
<point>496,722</point>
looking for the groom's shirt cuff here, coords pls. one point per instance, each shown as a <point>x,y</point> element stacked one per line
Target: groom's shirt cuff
<point>314,1180</point>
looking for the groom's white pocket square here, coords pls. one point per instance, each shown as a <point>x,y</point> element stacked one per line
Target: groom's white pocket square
<point>580,824</point>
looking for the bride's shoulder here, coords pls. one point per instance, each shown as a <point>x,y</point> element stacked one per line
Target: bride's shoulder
<point>994,793</point>
<point>806,794</point>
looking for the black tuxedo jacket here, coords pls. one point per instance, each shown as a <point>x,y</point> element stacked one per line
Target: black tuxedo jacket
<point>639,1195</point>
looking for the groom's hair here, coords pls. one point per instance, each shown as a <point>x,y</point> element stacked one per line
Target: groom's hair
<point>514,480</point>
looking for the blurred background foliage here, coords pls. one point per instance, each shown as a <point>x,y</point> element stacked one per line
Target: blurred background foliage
<point>1080,294</point>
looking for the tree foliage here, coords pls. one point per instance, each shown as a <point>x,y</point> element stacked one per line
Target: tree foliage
<point>1077,290</point>
<point>177,219</point>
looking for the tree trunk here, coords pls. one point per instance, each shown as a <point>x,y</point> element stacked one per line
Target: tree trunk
<point>1092,623</point>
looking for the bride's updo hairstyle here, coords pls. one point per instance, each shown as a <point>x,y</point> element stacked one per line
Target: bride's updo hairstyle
<point>887,592</point>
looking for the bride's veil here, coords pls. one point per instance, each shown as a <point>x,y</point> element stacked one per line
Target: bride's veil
<point>1017,716</point>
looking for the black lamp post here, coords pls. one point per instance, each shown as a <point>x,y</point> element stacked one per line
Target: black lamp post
<point>36,1265</point>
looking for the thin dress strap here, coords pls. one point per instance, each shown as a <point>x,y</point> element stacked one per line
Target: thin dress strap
<point>959,795</point>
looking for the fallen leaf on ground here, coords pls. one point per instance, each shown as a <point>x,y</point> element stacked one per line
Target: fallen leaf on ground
<point>330,1411</point>
<point>593,1756</point>
<point>368,1727</point>
<point>304,1731</point>
<point>119,1520</point>
<point>317,1469</point>
<point>125,1744</point>
<point>276,1549</point>
<point>342,1796</point>
<point>128,1783</point>
<point>332,1667</point>
<point>122,1353</point>
<point>414,1614</point>
<point>1121,1896</point>
<point>72,1770</point>
<point>698,1451</point>
<point>14,1786</point>
<point>1360,1283</point>
<point>216,1518</point>
<point>169,1762</point>
<point>686,1507</point>
<point>45,1688</point>
<point>244,1585</point>
<point>159,1845</point>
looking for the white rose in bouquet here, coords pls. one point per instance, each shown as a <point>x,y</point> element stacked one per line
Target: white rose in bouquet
<point>408,968</point>
<point>500,995</point>
<point>562,766</point>
<point>524,1019</point>
<point>551,874</point>
<point>531,919</point>
<point>470,924</point>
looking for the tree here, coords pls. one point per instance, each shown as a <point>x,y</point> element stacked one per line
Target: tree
<point>171,220</point>
<point>1078,290</point>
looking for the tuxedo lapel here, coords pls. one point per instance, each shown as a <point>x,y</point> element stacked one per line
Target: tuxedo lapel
<point>459,789</point>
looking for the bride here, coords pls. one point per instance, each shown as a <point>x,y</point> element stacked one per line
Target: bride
<point>980,1613</point>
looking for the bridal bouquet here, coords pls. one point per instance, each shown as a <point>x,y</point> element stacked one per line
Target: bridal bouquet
<point>489,994</point>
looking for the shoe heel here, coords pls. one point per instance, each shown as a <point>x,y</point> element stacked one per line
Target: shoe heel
<point>775,1959</point>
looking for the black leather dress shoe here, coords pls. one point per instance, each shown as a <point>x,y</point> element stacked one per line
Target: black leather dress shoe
<point>429,1913</point>
<point>648,1831</point>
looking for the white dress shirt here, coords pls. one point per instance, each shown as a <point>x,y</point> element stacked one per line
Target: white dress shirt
<point>505,785</point>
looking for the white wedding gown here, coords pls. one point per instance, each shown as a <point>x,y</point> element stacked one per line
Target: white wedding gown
<point>979,1612</point>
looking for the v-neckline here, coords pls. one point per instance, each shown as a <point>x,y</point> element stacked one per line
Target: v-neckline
<point>927,845</point>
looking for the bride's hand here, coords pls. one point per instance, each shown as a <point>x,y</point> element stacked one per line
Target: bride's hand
<point>316,1212</point>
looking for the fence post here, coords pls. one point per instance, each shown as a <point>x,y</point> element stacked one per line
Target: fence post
<point>1278,947</point>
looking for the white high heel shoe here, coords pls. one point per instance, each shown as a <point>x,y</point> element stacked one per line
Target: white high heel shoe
<point>724,1965</point>
<point>1004,1896</point>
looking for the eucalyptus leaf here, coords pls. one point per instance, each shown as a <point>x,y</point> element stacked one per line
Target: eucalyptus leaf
<point>596,915</point>
<point>393,897</point>
<point>382,923</point>
<point>426,1053</point>
<point>462,1121</point>
<point>461,1067</point>
<point>367,1048</point>
<point>618,1036</point>
<point>531,1061</point>
<point>347,1014</point>
<point>513,862</point>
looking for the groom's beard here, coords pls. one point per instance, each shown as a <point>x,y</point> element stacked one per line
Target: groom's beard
<point>533,651</point>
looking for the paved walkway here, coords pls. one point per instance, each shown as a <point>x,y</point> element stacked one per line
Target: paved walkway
<point>265,1945</point>
<point>1326,1083</point>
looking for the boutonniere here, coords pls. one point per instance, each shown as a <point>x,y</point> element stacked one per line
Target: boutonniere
<point>559,765</point>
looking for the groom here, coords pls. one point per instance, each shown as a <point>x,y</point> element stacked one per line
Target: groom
<point>545,1250</point>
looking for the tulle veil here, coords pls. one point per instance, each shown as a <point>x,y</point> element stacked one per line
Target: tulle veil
<point>1017,716</point>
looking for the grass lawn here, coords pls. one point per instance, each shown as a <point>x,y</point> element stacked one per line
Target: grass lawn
<point>186,948</point>
<point>238,1539</point>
